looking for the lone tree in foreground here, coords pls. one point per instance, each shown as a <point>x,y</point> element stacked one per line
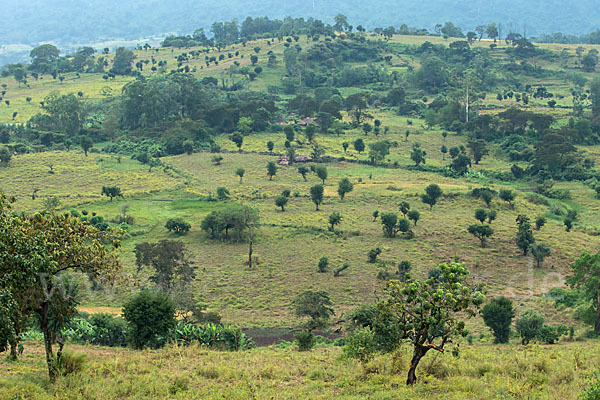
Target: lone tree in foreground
<point>498,315</point>
<point>111,192</point>
<point>427,311</point>
<point>586,277</point>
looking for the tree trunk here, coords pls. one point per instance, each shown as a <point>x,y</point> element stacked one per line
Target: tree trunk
<point>418,353</point>
<point>597,324</point>
<point>250,254</point>
<point>13,350</point>
<point>47,341</point>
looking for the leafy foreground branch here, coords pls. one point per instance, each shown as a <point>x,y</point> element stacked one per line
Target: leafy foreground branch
<point>37,255</point>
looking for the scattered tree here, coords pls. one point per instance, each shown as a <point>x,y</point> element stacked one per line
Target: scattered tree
<point>498,315</point>
<point>111,192</point>
<point>432,193</point>
<point>540,252</point>
<point>240,172</point>
<point>271,169</point>
<point>482,232</point>
<point>316,195</point>
<point>344,186</point>
<point>281,201</point>
<point>335,218</point>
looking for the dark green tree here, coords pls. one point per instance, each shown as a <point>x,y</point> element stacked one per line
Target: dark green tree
<point>271,169</point>
<point>281,201</point>
<point>111,192</point>
<point>316,195</point>
<point>151,315</point>
<point>524,238</point>
<point>321,172</point>
<point>316,306</point>
<point>344,187</point>
<point>432,193</point>
<point>498,315</point>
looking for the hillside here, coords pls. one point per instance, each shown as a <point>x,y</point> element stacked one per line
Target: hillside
<point>96,20</point>
<point>201,135</point>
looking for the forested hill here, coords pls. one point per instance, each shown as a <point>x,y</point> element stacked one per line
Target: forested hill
<point>81,21</point>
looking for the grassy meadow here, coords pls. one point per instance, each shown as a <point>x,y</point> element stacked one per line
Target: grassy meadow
<point>480,371</point>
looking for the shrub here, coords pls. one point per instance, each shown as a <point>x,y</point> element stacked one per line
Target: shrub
<point>360,344</point>
<point>323,264</point>
<point>150,315</point>
<point>68,363</point>
<point>592,391</point>
<point>305,340</point>
<point>373,254</point>
<point>529,325</point>
<point>109,330</point>
<point>222,193</point>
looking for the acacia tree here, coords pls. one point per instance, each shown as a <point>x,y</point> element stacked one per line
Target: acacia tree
<point>54,246</point>
<point>427,311</point>
<point>586,277</point>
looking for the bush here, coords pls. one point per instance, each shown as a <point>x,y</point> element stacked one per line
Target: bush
<point>109,330</point>
<point>360,344</point>
<point>592,391</point>
<point>150,315</point>
<point>323,264</point>
<point>305,340</point>
<point>529,325</point>
<point>68,363</point>
<point>373,254</point>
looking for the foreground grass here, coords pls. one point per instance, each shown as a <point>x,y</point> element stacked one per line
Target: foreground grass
<point>478,372</point>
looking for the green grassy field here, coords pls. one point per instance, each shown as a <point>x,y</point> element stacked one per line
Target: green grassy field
<point>480,371</point>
